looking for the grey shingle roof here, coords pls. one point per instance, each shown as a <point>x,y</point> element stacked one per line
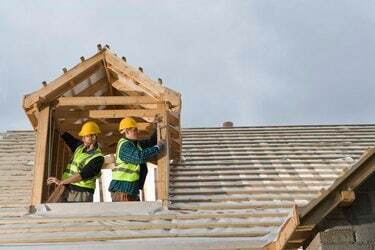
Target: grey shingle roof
<point>233,182</point>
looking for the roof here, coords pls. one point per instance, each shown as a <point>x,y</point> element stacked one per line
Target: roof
<point>234,187</point>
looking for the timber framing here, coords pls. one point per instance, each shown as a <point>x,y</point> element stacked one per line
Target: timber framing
<point>103,88</point>
<point>341,193</point>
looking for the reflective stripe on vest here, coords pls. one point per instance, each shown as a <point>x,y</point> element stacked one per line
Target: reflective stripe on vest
<point>79,160</point>
<point>125,171</point>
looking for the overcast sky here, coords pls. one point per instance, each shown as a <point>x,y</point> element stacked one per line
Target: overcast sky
<point>251,62</point>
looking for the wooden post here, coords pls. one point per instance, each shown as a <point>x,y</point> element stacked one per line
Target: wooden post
<point>162,180</point>
<point>40,156</point>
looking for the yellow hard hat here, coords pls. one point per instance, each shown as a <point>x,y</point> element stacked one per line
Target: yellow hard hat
<point>127,123</point>
<point>89,128</point>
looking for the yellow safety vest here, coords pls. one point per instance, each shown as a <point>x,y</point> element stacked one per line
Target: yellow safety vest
<point>79,160</point>
<point>125,171</point>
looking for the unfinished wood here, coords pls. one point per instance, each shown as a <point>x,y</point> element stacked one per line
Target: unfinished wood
<point>55,196</point>
<point>347,198</point>
<point>142,126</point>
<point>92,89</point>
<point>285,232</point>
<point>105,100</point>
<point>57,87</point>
<point>121,113</point>
<point>175,145</point>
<point>150,86</point>
<point>174,132</point>
<point>174,118</point>
<point>121,68</point>
<point>40,156</point>
<point>125,84</point>
<point>162,182</point>
<point>319,208</point>
<point>73,114</point>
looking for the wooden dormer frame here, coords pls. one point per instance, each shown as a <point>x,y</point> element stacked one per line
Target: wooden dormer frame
<point>128,92</point>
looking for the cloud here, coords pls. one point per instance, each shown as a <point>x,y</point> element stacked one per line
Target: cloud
<point>252,62</point>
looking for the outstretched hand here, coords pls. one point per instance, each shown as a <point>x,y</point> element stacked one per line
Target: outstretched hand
<point>161,144</point>
<point>51,180</point>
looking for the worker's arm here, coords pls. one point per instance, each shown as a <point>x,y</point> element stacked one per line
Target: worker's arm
<point>90,170</point>
<point>72,142</point>
<point>132,154</point>
<point>150,142</point>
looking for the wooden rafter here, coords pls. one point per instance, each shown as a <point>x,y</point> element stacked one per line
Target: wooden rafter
<point>61,84</point>
<point>340,193</point>
<point>148,85</point>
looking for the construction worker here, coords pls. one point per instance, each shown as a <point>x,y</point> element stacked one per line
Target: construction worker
<point>80,175</point>
<point>130,172</point>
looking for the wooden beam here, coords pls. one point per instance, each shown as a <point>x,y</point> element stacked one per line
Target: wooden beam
<point>121,113</point>
<point>107,126</point>
<point>105,100</point>
<point>150,86</point>
<point>127,87</point>
<point>174,132</point>
<point>40,156</point>
<point>175,145</point>
<point>174,118</point>
<point>58,86</point>
<point>287,229</point>
<point>340,193</point>
<point>119,66</point>
<point>162,180</point>
<point>316,210</point>
<point>347,198</point>
<point>94,88</point>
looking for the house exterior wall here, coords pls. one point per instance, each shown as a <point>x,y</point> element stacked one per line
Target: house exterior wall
<point>350,227</point>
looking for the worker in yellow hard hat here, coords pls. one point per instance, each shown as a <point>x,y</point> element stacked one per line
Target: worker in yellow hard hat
<point>80,175</point>
<point>130,172</point>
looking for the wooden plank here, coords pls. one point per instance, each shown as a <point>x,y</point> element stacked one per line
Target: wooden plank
<point>105,100</point>
<point>150,86</point>
<point>347,198</point>
<point>285,232</point>
<point>174,132</point>
<point>175,145</point>
<point>54,88</point>
<point>55,196</point>
<point>174,118</point>
<point>128,87</point>
<point>40,156</point>
<point>142,126</point>
<point>94,88</point>
<point>126,84</point>
<point>162,181</point>
<point>74,114</point>
<point>340,193</point>
<point>120,67</point>
<point>121,113</point>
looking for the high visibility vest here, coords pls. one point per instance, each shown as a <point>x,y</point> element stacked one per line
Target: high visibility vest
<point>125,171</point>
<point>79,160</point>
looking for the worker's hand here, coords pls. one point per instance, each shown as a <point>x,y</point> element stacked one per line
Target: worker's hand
<point>161,145</point>
<point>51,180</point>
